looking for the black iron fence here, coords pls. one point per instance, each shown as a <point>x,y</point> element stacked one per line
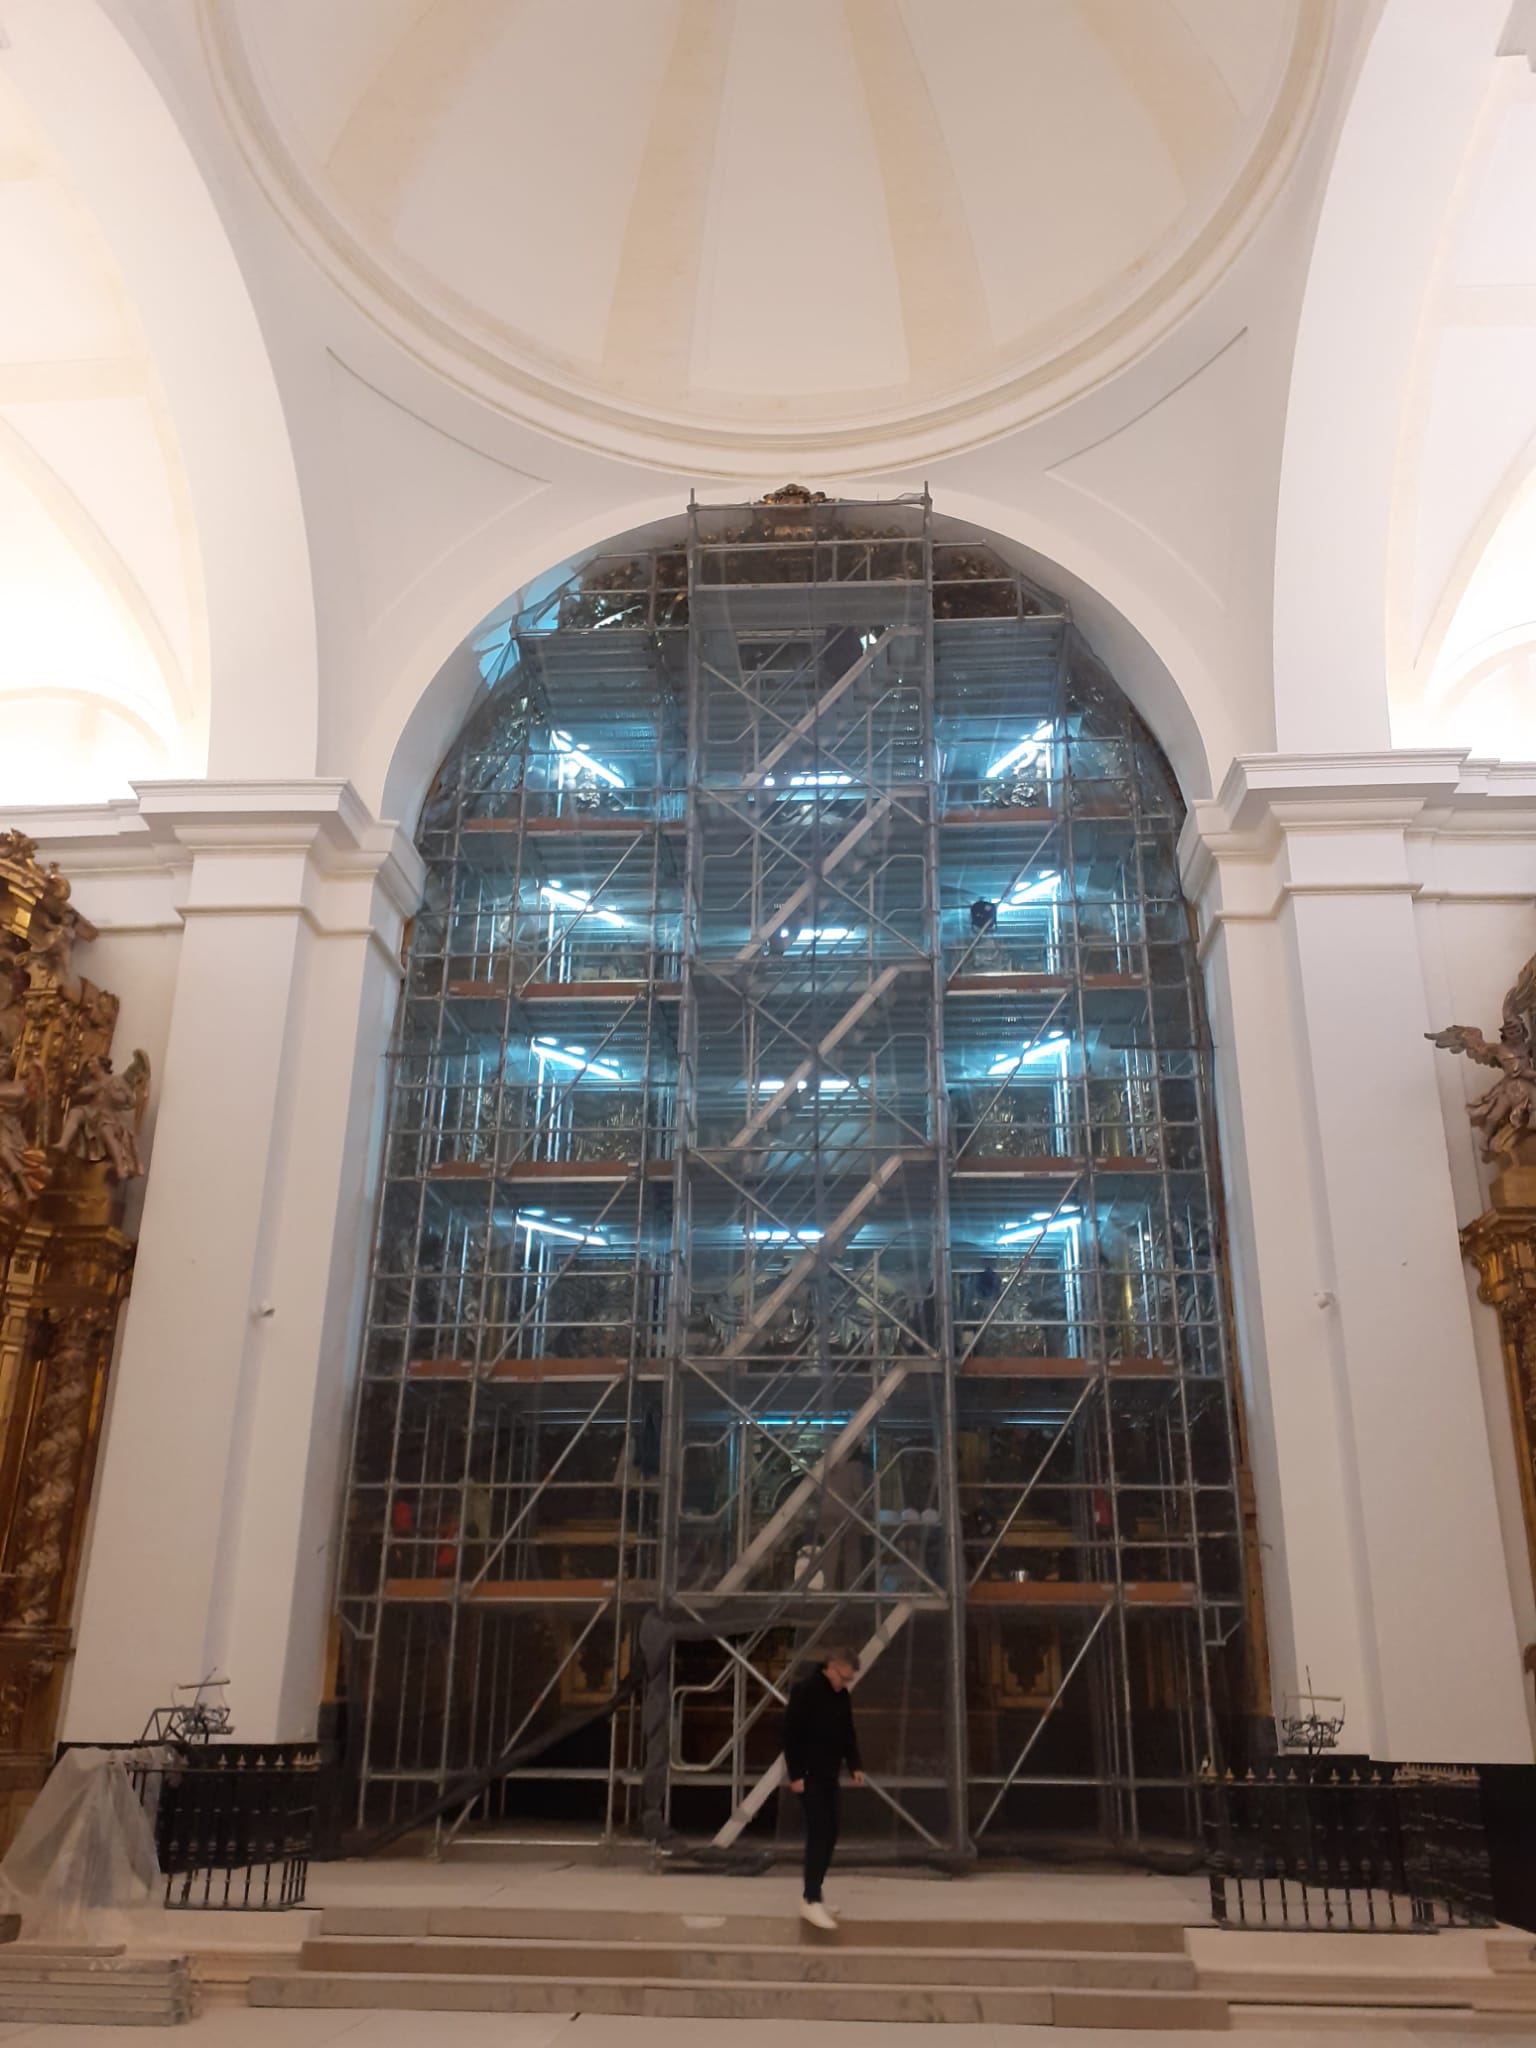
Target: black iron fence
<point>234,1822</point>
<point>1363,1849</point>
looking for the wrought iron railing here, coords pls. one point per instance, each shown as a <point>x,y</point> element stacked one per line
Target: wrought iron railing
<point>234,1822</point>
<point>1332,1848</point>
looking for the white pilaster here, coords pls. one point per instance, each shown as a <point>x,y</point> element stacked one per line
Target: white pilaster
<point>217,1497</point>
<point>1385,1566</point>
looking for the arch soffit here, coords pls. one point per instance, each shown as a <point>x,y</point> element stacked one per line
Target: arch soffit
<point>1396,168</point>
<point>1142,647</point>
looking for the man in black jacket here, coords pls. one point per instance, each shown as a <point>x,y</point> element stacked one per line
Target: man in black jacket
<point>818,1741</point>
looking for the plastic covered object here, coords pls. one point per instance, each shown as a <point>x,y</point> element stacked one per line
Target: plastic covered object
<point>83,1863</point>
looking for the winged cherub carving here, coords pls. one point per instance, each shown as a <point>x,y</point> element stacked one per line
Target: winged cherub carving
<point>1502,1115</point>
<point>105,1112</point>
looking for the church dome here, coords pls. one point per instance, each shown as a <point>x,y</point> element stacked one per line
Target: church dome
<point>713,229</point>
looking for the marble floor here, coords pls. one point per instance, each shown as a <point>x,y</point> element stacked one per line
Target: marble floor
<point>238,2027</point>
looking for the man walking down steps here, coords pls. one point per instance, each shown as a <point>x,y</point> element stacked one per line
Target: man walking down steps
<point>818,1741</point>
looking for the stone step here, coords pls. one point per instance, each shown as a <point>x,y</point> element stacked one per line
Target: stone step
<point>893,2003</point>
<point>752,1930</point>
<point>1308,1984</point>
<point>838,1960</point>
<point>1402,2022</point>
<point>536,1849</point>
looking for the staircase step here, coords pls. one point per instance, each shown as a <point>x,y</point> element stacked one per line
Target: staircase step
<point>768,1930</point>
<point>1410,2022</point>
<point>839,1960</point>
<point>734,2000</point>
<point>1308,1984</point>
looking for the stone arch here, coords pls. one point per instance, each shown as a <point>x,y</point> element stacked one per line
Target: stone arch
<point>1152,658</point>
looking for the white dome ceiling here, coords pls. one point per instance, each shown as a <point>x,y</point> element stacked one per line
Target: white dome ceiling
<point>715,228</point>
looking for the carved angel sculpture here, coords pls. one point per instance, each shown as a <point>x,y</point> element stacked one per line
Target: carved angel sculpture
<point>105,1112</point>
<point>23,1166</point>
<point>53,945</point>
<point>12,1016</point>
<point>1502,1116</point>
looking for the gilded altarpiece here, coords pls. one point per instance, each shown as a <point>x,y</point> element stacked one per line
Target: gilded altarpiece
<point>1501,1243</point>
<point>68,1148</point>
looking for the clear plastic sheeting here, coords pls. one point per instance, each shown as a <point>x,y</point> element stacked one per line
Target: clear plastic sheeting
<point>83,1863</point>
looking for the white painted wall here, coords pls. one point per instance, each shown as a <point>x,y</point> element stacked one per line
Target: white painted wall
<point>218,1493</point>
<point>1388,1503</point>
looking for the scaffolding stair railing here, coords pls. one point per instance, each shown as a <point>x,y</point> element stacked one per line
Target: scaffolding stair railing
<point>808,720</point>
<point>793,1505</point>
<point>841,1227</point>
<point>880,987</point>
<point>775,1775</point>
<point>851,839</point>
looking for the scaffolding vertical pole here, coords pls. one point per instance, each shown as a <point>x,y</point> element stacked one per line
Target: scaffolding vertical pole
<point>956,1705</point>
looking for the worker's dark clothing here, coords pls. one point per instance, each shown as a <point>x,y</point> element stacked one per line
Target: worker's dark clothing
<point>820,1799</point>
<point>818,1741</point>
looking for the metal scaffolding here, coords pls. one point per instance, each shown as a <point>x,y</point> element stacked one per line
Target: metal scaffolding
<point>800,1224</point>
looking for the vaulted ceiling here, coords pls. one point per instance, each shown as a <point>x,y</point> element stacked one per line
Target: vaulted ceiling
<point>695,221</point>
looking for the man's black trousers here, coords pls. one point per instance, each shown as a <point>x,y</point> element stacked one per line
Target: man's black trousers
<point>821,1803</point>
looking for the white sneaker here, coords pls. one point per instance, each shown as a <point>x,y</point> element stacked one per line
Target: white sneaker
<point>815,1914</point>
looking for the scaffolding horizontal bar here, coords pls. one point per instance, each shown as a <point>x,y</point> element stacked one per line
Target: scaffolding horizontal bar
<point>1147,1593</point>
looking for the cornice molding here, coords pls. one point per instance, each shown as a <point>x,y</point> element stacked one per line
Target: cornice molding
<point>241,849</point>
<point>1286,825</point>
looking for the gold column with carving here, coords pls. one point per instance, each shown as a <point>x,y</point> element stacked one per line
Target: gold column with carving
<point>1501,1243</point>
<point>68,1148</point>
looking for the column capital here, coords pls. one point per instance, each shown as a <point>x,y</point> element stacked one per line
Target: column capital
<point>1284,825</point>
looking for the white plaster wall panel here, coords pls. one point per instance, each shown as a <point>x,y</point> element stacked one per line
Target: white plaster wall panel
<point>1495,617</point>
<point>416,494</point>
<point>1468,442</point>
<point>1238,41</point>
<point>118,458</point>
<point>287,891</point>
<point>1415,109</point>
<point>1316,865</point>
<point>1479,419</point>
<point>799,294</point>
<point>132,167</point>
<point>539,246</point>
<point>101,670</point>
<point>329,74</point>
<point>1183,473</point>
<point>179,1373</point>
<point>1041,170</point>
<point>1294,1392</point>
<point>1496,235</point>
<point>83,704</point>
<point>270,1597</point>
<point>44,235</point>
